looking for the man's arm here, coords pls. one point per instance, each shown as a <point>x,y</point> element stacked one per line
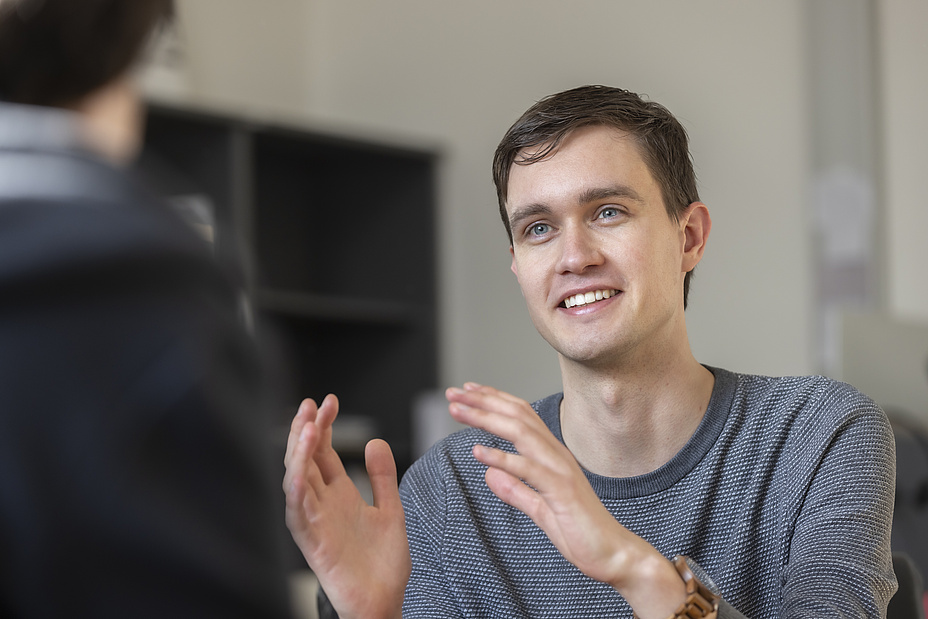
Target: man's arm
<point>839,554</point>
<point>358,552</point>
<point>544,481</point>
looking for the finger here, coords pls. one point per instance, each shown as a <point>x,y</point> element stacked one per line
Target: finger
<point>530,439</point>
<point>513,492</point>
<point>301,466</point>
<point>488,408</point>
<point>473,395</point>
<point>541,476</point>
<point>302,483</point>
<point>301,508</point>
<point>381,469</point>
<point>552,472</point>
<point>327,459</point>
<point>494,401</point>
<point>306,413</point>
<point>472,386</point>
<point>328,410</point>
<point>514,464</point>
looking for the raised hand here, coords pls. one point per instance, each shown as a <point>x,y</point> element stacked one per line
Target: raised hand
<point>544,481</point>
<point>359,552</point>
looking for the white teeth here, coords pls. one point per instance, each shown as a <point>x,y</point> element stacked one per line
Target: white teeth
<point>588,297</point>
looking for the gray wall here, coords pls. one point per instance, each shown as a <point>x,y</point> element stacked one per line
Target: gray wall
<point>456,74</point>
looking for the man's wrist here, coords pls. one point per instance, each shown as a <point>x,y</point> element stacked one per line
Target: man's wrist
<point>701,601</point>
<point>652,586</point>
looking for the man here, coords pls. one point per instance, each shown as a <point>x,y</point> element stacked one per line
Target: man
<point>132,483</point>
<point>652,484</point>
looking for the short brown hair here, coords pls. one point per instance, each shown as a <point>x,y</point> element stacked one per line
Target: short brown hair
<point>661,139</point>
<point>54,52</point>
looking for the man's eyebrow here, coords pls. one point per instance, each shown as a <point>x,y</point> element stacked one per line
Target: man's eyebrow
<point>595,194</point>
<point>528,211</point>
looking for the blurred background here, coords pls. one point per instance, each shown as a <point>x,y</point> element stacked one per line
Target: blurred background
<point>808,128</point>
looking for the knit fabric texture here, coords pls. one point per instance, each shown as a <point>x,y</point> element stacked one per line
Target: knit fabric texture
<point>783,495</point>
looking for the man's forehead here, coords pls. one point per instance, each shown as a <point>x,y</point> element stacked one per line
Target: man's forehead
<point>589,160</point>
<point>548,149</point>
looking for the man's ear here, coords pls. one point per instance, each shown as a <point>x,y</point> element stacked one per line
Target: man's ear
<point>696,226</point>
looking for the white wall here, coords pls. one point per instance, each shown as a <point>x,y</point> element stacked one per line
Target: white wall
<point>903,58</point>
<point>458,73</point>
<point>250,54</point>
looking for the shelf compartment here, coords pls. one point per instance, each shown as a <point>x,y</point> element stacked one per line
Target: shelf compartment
<point>336,218</point>
<point>339,309</point>
<point>376,370</point>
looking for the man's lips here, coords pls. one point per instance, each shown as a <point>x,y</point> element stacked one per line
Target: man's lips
<point>588,297</point>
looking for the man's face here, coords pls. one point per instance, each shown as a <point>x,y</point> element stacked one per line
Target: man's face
<point>599,260</point>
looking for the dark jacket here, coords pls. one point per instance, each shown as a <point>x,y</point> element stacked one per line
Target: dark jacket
<point>134,479</point>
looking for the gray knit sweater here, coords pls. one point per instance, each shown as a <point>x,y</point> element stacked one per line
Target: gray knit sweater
<point>783,495</point>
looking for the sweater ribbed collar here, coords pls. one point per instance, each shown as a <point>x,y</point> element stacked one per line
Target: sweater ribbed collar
<point>705,436</point>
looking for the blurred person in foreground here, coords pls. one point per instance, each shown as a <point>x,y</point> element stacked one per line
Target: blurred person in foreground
<point>133,476</point>
<point>652,484</point>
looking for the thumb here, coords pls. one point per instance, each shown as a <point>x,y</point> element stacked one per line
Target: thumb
<point>381,468</point>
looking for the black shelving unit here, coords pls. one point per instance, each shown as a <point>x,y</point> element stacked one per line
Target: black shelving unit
<point>337,235</point>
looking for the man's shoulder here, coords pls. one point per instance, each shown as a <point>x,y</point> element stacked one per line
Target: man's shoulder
<point>64,243</point>
<point>799,391</point>
<point>805,403</point>
<point>458,446</point>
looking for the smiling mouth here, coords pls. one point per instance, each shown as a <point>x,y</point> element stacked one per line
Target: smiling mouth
<point>585,298</point>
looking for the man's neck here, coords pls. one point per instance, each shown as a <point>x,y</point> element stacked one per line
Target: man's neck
<point>631,420</point>
<point>111,120</point>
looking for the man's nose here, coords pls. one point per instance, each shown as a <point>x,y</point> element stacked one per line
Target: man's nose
<point>579,250</point>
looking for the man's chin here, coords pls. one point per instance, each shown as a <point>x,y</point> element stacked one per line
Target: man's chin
<point>592,356</point>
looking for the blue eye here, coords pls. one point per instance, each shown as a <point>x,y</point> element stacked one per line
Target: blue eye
<point>609,212</point>
<point>539,229</point>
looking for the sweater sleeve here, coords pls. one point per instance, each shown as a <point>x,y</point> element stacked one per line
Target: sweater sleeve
<point>840,561</point>
<point>423,496</point>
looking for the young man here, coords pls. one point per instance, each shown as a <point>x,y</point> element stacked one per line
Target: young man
<point>652,484</point>
<point>132,479</point>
